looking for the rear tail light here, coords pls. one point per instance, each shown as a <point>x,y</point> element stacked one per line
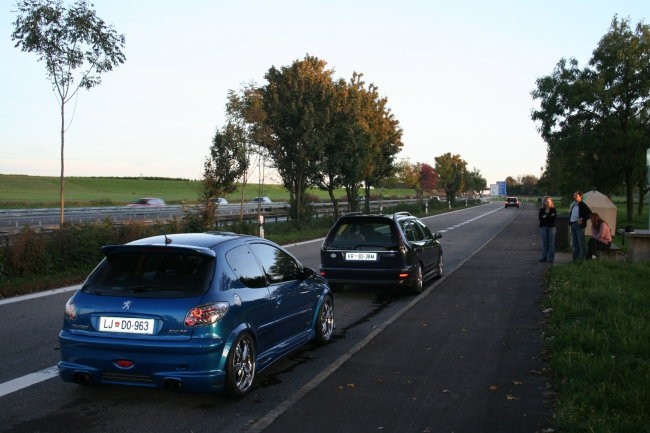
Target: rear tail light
<point>70,310</point>
<point>206,314</point>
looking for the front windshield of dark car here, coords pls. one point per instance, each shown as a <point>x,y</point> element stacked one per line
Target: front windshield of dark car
<point>151,274</point>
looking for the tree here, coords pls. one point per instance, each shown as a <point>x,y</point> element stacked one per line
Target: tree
<point>381,136</point>
<point>339,149</point>
<point>245,111</point>
<point>596,120</point>
<point>227,162</point>
<point>76,46</point>
<point>451,170</point>
<point>421,177</point>
<point>475,181</point>
<point>295,102</point>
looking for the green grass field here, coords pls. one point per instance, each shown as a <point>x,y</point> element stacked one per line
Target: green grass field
<point>598,342</point>
<point>18,191</point>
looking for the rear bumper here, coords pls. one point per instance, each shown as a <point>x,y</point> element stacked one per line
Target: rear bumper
<point>196,366</point>
<point>380,277</point>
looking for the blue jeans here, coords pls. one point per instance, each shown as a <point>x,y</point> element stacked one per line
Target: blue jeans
<point>578,241</point>
<point>548,243</point>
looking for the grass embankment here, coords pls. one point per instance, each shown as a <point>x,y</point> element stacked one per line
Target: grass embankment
<point>20,191</point>
<point>598,341</point>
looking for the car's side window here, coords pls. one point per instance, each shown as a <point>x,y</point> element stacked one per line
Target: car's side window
<point>244,265</point>
<point>425,230</point>
<point>412,230</point>
<point>407,227</point>
<point>278,265</point>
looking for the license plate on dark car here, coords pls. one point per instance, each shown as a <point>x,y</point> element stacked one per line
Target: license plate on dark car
<point>361,256</point>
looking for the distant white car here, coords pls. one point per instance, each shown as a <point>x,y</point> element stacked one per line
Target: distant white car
<point>147,202</point>
<point>261,200</point>
<point>219,200</point>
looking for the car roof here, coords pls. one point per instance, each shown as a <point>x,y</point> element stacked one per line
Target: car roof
<point>201,240</point>
<point>363,216</point>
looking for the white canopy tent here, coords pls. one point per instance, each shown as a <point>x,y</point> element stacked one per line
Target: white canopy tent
<point>601,204</point>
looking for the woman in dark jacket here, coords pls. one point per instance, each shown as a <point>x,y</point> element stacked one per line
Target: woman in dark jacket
<point>547,216</point>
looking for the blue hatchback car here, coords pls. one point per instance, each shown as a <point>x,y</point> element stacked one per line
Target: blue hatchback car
<point>198,312</point>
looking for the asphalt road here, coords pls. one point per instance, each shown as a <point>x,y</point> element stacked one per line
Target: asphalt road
<point>32,399</point>
<point>465,358</point>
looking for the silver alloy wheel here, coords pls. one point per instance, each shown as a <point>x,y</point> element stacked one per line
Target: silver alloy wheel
<point>325,324</point>
<point>243,364</point>
<point>419,282</point>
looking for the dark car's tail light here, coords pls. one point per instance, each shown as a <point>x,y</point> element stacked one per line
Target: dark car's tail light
<point>206,314</point>
<point>70,310</point>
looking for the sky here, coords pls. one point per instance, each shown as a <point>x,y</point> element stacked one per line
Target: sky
<point>458,76</point>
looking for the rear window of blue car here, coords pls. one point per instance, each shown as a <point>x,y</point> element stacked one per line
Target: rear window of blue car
<point>151,274</point>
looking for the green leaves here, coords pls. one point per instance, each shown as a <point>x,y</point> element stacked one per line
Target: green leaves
<point>595,119</point>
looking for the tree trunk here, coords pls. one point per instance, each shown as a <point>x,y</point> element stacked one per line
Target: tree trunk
<point>61,195</point>
<point>335,202</point>
<point>629,195</point>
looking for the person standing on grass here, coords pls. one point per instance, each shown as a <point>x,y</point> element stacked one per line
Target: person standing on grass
<point>547,216</point>
<point>579,213</point>
<point>601,236</point>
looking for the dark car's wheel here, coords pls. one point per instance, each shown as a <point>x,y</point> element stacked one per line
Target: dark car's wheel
<point>418,284</point>
<point>240,367</point>
<point>325,322</point>
<point>439,268</point>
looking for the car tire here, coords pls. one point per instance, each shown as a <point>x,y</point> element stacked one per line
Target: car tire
<point>240,366</point>
<point>418,284</point>
<point>439,268</point>
<point>325,321</point>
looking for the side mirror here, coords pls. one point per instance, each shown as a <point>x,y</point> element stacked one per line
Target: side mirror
<point>308,273</point>
<point>437,235</point>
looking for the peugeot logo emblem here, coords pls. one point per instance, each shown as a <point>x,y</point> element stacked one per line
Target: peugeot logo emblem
<point>126,305</point>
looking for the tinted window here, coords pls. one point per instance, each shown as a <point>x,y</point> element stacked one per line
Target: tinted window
<point>278,265</point>
<point>356,233</point>
<point>412,230</point>
<point>246,268</point>
<point>425,229</point>
<point>155,274</point>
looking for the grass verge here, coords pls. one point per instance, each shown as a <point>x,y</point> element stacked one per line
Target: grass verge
<point>598,341</point>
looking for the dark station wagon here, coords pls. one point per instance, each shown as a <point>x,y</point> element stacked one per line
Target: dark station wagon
<point>396,249</point>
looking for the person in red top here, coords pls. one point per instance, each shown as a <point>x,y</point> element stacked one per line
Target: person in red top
<point>601,236</point>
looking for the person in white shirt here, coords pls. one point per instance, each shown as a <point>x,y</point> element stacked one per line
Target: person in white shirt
<point>579,213</point>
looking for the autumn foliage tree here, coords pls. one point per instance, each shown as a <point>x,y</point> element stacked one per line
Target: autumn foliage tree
<point>452,170</point>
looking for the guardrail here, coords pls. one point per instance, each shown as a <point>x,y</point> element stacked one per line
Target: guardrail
<point>13,220</point>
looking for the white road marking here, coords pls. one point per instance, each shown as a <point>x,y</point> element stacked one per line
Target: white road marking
<point>39,294</point>
<point>28,380</point>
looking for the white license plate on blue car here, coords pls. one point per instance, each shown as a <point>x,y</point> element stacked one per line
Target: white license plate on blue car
<point>126,324</point>
<point>361,256</point>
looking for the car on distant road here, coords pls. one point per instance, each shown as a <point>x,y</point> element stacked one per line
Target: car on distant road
<point>511,202</point>
<point>219,200</point>
<point>263,200</point>
<point>147,202</point>
<point>192,311</point>
<point>396,249</point>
